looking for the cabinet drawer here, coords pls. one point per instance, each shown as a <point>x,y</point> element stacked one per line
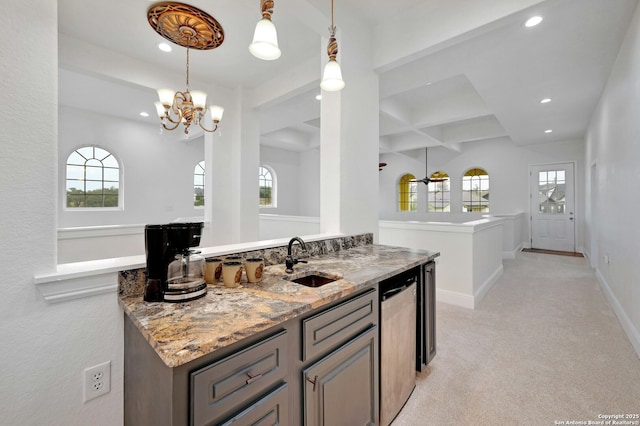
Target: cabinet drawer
<point>271,410</point>
<point>223,387</point>
<point>336,325</point>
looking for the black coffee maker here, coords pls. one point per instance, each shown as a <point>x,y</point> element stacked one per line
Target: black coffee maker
<point>175,272</point>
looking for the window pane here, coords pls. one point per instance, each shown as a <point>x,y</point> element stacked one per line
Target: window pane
<point>93,200</point>
<point>110,161</point>
<point>265,183</point>
<point>93,186</point>
<point>75,172</point>
<point>76,158</point>
<point>407,193</point>
<point>112,175</point>
<point>551,192</point>
<point>198,180</point>
<point>475,191</point>
<point>438,193</point>
<point>75,184</point>
<point>86,152</point>
<point>93,173</point>
<point>89,183</point>
<point>100,154</point>
<point>111,200</point>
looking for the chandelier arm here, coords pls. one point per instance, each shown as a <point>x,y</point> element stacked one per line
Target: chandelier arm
<point>176,108</point>
<point>164,124</point>
<point>215,126</point>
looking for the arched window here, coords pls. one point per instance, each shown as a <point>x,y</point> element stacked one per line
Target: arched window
<point>266,178</point>
<point>475,191</point>
<point>92,179</point>
<point>439,193</point>
<point>198,185</point>
<point>408,194</point>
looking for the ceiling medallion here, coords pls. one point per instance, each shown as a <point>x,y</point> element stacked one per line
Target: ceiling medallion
<point>185,25</point>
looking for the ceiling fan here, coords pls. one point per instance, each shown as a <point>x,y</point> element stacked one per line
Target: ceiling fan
<point>426,180</point>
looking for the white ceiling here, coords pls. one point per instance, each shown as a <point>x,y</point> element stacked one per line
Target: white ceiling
<point>482,86</point>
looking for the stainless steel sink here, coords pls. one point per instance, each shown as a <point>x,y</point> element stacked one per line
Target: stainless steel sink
<point>313,278</point>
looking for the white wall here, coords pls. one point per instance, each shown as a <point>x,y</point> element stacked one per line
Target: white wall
<point>45,346</point>
<point>613,152</point>
<point>508,168</point>
<point>470,258</point>
<point>309,181</point>
<point>157,169</point>
<point>297,180</point>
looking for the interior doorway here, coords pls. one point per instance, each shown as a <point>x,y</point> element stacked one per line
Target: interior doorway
<point>552,189</point>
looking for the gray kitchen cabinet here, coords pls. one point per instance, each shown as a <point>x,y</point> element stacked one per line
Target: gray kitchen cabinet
<point>342,388</point>
<point>340,373</point>
<point>227,386</point>
<point>261,380</point>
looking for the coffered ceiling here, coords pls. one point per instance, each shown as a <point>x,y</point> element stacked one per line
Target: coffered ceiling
<point>483,83</point>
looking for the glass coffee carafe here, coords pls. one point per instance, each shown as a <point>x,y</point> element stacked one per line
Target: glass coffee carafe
<point>186,270</point>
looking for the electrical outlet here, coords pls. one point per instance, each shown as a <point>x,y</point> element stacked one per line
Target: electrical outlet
<point>97,380</point>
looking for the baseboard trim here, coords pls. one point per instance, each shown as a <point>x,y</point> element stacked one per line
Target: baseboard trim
<point>454,298</point>
<point>484,289</point>
<point>466,300</point>
<point>625,321</point>
<point>511,254</point>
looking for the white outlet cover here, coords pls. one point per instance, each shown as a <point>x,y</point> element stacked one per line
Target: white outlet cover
<point>97,380</point>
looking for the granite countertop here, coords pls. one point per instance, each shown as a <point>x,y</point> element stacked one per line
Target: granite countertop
<point>183,332</point>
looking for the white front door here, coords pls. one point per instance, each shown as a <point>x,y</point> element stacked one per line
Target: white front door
<point>552,207</point>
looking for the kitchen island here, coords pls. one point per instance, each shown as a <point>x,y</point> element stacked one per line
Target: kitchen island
<point>171,349</point>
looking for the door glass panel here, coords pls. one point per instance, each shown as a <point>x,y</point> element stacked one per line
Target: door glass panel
<point>551,192</point>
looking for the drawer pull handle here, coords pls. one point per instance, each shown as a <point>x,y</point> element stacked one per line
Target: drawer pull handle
<point>314,382</point>
<point>252,379</point>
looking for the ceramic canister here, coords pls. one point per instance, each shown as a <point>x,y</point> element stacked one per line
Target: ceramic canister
<point>231,273</point>
<point>254,267</point>
<point>213,270</point>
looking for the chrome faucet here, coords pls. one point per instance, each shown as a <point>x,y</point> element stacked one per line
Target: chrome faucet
<point>290,261</point>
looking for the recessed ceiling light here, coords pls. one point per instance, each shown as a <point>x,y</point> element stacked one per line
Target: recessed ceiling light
<point>318,97</point>
<point>548,131</point>
<point>533,21</point>
<point>164,47</point>
<point>545,100</point>
<point>144,114</point>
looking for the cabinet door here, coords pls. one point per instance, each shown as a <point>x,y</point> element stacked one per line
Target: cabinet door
<point>341,388</point>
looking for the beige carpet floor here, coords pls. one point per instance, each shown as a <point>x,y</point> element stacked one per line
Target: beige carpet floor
<point>543,347</point>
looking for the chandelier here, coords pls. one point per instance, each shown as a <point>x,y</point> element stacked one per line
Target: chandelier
<point>189,27</point>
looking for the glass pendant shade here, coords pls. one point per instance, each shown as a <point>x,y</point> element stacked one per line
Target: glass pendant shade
<point>166,96</point>
<point>159,108</point>
<point>265,41</point>
<point>199,99</point>
<point>216,112</point>
<point>332,77</point>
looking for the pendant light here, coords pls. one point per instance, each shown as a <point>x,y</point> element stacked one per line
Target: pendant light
<point>332,75</point>
<point>265,37</point>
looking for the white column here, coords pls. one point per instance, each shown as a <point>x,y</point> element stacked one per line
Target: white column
<point>349,140</point>
<point>232,159</point>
